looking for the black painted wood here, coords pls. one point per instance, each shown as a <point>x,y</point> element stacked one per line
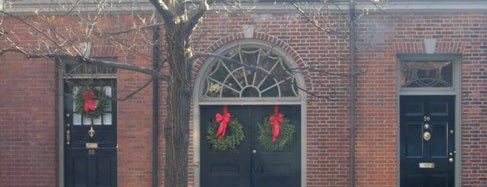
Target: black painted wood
<point>89,167</point>
<point>242,168</point>
<point>414,149</point>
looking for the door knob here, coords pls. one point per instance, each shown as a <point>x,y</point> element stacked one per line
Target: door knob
<point>254,151</point>
<point>450,160</point>
<point>426,136</point>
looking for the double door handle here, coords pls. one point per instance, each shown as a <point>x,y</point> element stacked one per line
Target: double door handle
<point>257,166</point>
<point>256,162</point>
<point>68,137</point>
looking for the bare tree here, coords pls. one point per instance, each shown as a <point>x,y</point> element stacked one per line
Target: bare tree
<point>70,31</point>
<point>55,38</point>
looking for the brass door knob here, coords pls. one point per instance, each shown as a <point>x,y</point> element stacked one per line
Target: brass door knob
<point>427,136</point>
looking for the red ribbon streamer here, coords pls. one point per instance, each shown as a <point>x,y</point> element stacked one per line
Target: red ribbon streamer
<point>223,119</point>
<point>275,120</point>
<point>89,100</point>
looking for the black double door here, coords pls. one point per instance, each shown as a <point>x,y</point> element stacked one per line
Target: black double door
<point>90,144</point>
<point>427,141</point>
<point>249,165</point>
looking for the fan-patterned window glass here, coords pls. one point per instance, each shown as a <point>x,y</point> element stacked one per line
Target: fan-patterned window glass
<point>419,74</point>
<point>252,72</point>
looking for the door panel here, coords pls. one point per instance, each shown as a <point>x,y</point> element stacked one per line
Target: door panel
<point>95,166</point>
<point>427,144</point>
<point>225,168</point>
<point>243,167</point>
<point>281,168</point>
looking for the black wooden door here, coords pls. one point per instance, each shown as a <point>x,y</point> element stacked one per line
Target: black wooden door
<point>90,144</point>
<point>249,165</point>
<point>427,141</point>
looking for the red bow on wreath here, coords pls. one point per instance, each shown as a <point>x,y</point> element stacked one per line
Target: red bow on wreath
<point>275,120</point>
<point>89,100</point>
<point>223,119</point>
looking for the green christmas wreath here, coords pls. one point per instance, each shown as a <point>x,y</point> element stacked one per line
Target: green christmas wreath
<point>85,102</point>
<point>234,136</point>
<point>284,139</point>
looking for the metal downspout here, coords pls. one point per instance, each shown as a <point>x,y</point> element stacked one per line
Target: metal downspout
<point>155,103</point>
<point>352,99</point>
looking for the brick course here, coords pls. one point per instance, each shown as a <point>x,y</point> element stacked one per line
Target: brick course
<point>28,144</point>
<point>28,155</point>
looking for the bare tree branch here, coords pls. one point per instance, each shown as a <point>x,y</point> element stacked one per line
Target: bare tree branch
<point>378,5</point>
<point>40,32</point>
<point>163,10</point>
<point>312,21</point>
<point>126,66</point>
<point>130,30</point>
<point>107,63</point>
<point>136,91</point>
<point>196,17</point>
<point>20,51</point>
<point>320,71</point>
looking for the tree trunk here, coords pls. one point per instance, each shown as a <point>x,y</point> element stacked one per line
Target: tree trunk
<point>176,128</point>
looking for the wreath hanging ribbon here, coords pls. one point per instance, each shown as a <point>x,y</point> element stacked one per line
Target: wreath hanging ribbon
<point>275,120</point>
<point>276,132</point>
<point>89,100</point>
<point>219,124</point>
<point>223,119</point>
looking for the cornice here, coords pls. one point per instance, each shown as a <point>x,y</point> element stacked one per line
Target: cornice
<point>143,6</point>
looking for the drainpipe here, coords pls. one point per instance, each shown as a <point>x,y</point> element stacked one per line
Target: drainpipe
<point>352,99</point>
<point>155,102</point>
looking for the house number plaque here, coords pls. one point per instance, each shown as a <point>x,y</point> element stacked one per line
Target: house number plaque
<point>91,145</point>
<point>427,165</point>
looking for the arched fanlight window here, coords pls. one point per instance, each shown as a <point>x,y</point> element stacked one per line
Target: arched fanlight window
<point>252,72</point>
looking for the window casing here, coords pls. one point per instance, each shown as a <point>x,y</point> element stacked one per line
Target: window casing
<point>81,75</point>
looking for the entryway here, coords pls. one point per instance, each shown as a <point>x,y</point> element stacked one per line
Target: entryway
<point>90,151</point>
<point>427,141</point>
<point>249,164</point>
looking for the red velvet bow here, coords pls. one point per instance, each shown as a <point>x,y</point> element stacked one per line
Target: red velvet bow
<point>275,120</point>
<point>223,119</point>
<point>89,102</point>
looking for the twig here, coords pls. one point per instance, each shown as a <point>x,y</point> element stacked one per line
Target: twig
<point>312,21</point>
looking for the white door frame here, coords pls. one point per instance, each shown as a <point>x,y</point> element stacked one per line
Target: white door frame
<point>198,101</point>
<point>454,91</point>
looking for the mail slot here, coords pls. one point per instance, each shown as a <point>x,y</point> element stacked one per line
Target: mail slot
<point>91,145</point>
<point>427,165</point>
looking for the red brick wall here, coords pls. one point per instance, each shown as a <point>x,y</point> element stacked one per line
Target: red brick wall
<point>28,155</point>
<point>326,56</point>
<point>29,152</point>
<point>134,114</point>
<point>381,37</point>
<point>376,150</point>
<point>28,146</point>
<point>134,131</point>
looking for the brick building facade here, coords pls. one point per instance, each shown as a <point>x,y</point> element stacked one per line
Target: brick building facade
<point>426,54</point>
